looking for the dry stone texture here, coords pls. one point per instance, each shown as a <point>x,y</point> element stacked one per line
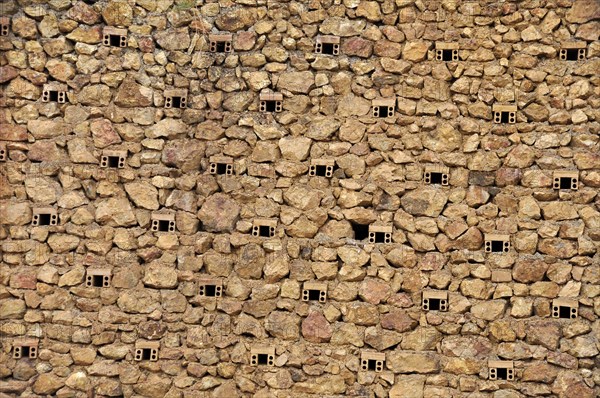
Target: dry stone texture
<point>270,254</point>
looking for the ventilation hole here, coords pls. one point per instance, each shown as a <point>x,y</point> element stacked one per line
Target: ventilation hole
<point>361,231</point>
<point>314,294</point>
<point>221,168</point>
<point>163,225</point>
<point>565,183</point>
<point>270,106</point>
<point>264,230</point>
<point>44,219</point>
<point>327,48</point>
<point>436,178</point>
<point>434,304</point>
<point>564,312</point>
<point>113,161</point>
<point>115,41</point>
<point>447,55</point>
<point>146,354</point>
<point>175,102</point>
<point>263,359</point>
<point>497,246</point>
<point>502,373</point>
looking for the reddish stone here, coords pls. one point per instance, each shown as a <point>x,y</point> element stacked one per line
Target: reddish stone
<point>8,73</point>
<point>398,320</point>
<point>402,300</point>
<point>103,133</point>
<point>13,132</point>
<point>357,46</point>
<point>316,329</point>
<point>432,261</point>
<point>43,151</point>
<point>82,12</point>
<point>374,291</point>
<point>508,176</point>
<point>23,280</point>
<point>146,44</point>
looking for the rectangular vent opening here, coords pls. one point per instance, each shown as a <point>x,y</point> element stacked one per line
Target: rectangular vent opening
<point>361,231</point>
<point>264,230</point>
<point>115,41</point>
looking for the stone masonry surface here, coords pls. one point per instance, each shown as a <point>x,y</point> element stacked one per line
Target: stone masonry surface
<point>310,198</point>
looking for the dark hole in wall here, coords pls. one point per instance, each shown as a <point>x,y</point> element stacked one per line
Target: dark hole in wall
<point>115,41</point>
<point>25,351</point>
<point>321,170</point>
<point>504,117</point>
<point>497,246</point>
<point>146,353</point>
<point>264,230</point>
<point>163,225</point>
<point>270,106</point>
<point>113,161</point>
<point>379,237</point>
<point>564,312</point>
<point>361,231</point>
<point>436,178</point>
<point>314,294</point>
<point>44,219</point>
<point>97,280</point>
<point>384,111</point>
<point>210,290</point>
<point>327,48</point>
<point>220,46</point>
<point>565,183</point>
<point>372,364</point>
<point>434,304</point>
<point>447,55</point>
<point>221,168</point>
<point>502,373</point>
<point>572,54</point>
<point>175,102</point>
<point>262,359</point>
<point>53,95</point>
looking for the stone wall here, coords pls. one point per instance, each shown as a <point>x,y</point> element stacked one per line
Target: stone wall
<point>252,198</point>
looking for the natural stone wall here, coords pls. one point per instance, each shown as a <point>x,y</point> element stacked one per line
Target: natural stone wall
<point>130,269</point>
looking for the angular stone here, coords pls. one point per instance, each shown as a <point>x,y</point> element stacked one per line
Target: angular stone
<point>115,212</point>
<point>424,201</point>
<point>173,39</point>
<point>489,310</point>
<point>583,11</point>
<point>529,270</point>
<point>12,309</point>
<point>283,325</point>
<point>415,51</point>
<point>361,314</point>
<point>408,386</point>
<point>316,328</point>
<point>132,94</point>
<point>412,362</point>
<point>398,320</point>
<point>219,213</point>
<point>117,13</point>
<point>103,133</point>
<point>47,383</point>
<point>296,82</point>
<point>295,148</point>
<point>160,276</point>
<point>569,384</point>
<point>356,46</point>
<point>545,333</point>
<point>143,195</point>
<point>84,13</point>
